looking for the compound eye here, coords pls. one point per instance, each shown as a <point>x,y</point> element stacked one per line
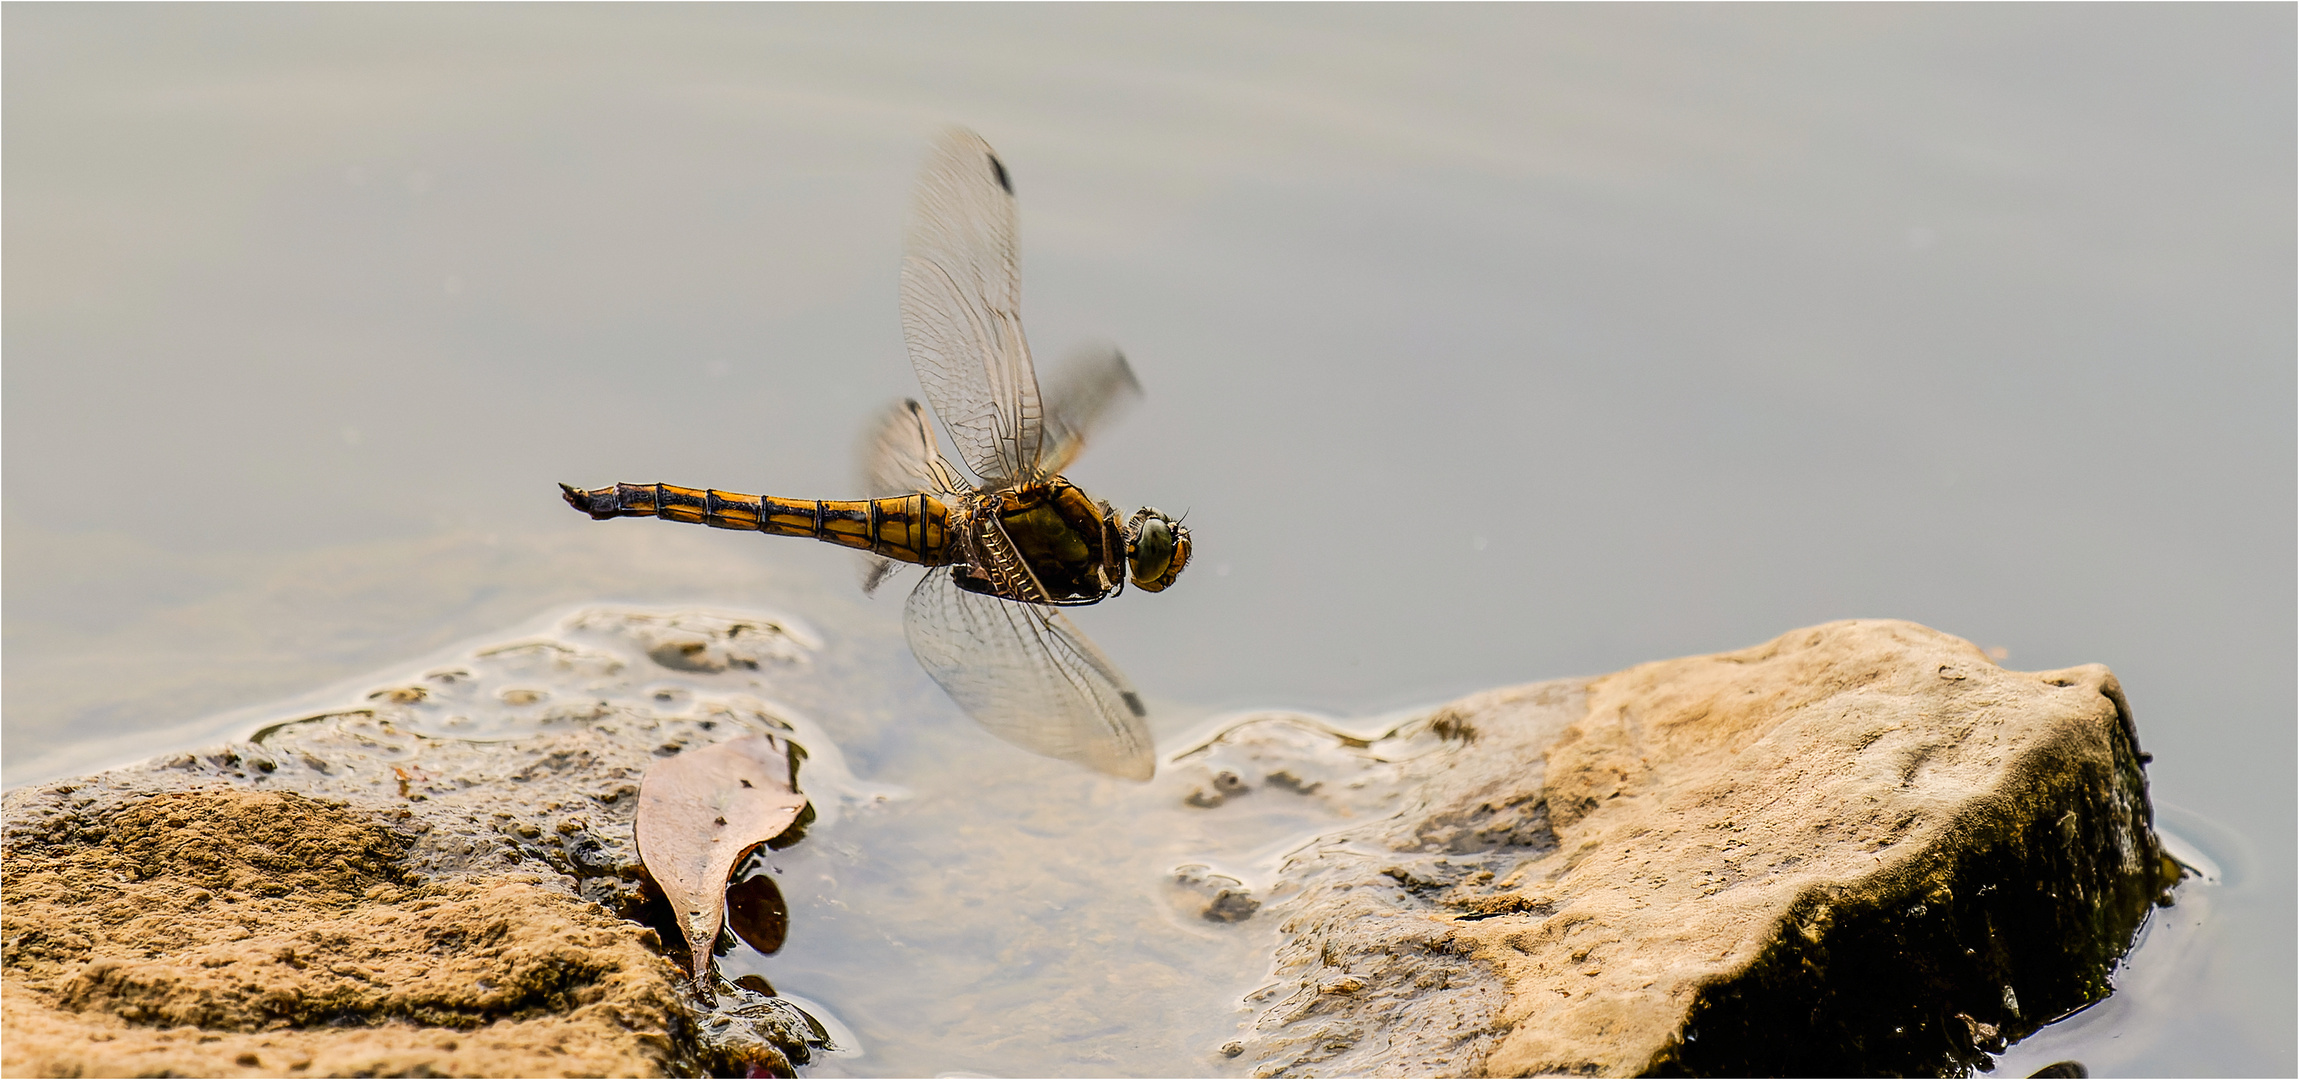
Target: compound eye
<point>1153,550</point>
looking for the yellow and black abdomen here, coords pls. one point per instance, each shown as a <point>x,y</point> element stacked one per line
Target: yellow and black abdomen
<point>905,528</point>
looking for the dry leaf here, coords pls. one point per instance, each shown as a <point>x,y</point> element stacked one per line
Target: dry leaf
<point>699,814</point>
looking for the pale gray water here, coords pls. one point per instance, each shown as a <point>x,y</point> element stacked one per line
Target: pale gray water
<point>1482,345</point>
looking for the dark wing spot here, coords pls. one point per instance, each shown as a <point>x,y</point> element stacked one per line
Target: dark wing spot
<point>746,783</point>
<point>1134,702</point>
<point>999,167</point>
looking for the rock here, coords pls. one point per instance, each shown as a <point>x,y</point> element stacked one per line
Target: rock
<point>1861,848</point>
<point>439,881</point>
<point>221,932</point>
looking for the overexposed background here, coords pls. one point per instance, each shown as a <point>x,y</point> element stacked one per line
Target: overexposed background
<point>1482,345</point>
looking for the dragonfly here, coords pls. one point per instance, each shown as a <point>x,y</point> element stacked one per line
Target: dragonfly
<point>1008,543</point>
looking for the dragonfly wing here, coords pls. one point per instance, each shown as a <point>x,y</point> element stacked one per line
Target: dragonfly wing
<point>1091,388</point>
<point>1030,677</point>
<point>873,570</point>
<point>961,310</point>
<point>899,457</point>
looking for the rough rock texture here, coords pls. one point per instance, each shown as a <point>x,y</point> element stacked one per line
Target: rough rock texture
<point>1371,977</point>
<point>1861,848</point>
<point>436,882</point>
<point>224,932</point>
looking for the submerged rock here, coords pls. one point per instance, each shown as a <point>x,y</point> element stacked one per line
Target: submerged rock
<point>1861,848</point>
<point>438,881</point>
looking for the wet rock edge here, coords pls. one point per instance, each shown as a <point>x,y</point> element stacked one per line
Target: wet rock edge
<point>1915,977</point>
<point>497,833</point>
<point>1901,958</point>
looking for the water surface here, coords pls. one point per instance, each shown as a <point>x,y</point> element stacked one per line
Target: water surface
<point>1482,346</point>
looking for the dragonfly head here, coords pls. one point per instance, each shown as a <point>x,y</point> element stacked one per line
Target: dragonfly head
<point>1157,548</point>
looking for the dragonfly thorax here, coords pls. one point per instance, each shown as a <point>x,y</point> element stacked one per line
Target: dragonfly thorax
<point>1072,545</point>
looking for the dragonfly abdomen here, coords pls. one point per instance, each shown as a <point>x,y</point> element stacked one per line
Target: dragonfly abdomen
<point>905,528</point>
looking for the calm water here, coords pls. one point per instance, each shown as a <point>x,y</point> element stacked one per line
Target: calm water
<point>1482,345</point>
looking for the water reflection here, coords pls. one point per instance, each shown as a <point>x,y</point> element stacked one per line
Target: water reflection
<point>756,913</point>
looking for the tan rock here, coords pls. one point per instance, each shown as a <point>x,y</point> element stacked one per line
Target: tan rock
<point>1860,848</point>
<point>219,932</point>
<point>426,881</point>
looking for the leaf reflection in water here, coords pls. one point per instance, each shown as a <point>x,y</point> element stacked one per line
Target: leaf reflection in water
<point>757,914</point>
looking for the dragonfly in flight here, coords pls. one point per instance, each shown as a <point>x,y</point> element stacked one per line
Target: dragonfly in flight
<point>1011,546</point>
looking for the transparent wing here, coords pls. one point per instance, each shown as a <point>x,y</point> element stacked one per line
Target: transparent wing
<point>961,310</point>
<point>873,570</point>
<point>1092,387</point>
<point>899,457</point>
<point>1025,673</point>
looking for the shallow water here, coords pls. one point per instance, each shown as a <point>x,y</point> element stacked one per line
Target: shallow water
<point>1002,914</point>
<point>998,913</point>
<point>1482,346</point>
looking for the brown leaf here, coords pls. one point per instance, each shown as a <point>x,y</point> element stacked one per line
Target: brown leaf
<point>702,811</point>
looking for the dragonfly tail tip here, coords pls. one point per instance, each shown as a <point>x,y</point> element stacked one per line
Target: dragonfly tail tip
<point>581,500</point>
